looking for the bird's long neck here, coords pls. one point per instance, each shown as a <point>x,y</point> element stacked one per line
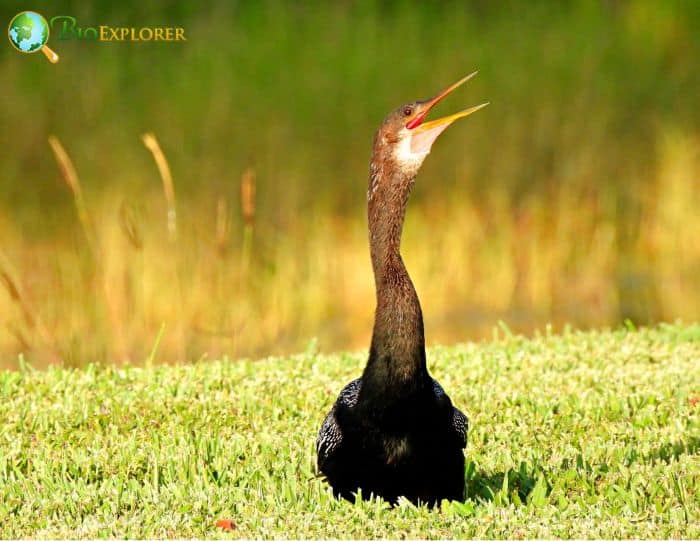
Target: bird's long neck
<point>396,367</point>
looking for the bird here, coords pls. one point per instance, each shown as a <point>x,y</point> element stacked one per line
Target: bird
<point>394,432</point>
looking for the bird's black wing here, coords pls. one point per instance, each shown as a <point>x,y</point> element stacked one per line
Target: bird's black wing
<point>330,436</point>
<point>460,423</point>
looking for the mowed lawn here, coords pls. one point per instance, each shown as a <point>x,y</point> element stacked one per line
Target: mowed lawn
<point>583,434</point>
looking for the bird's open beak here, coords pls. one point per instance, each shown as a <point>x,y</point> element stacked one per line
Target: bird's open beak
<point>424,134</point>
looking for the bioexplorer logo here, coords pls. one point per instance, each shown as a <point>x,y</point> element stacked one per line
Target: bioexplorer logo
<point>67,28</point>
<point>29,32</point>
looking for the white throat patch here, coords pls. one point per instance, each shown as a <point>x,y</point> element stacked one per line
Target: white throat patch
<point>403,154</point>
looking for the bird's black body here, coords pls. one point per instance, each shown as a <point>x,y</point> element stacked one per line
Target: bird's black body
<point>394,431</point>
<point>417,454</point>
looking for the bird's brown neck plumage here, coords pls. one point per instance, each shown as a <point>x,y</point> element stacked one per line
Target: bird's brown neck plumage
<point>396,371</point>
<point>396,365</point>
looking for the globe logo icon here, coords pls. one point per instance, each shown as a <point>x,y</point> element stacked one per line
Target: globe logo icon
<point>29,33</point>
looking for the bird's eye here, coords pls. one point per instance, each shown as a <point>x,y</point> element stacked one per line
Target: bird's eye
<point>407,111</point>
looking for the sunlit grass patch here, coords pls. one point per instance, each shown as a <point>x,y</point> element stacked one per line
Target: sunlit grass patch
<point>577,435</point>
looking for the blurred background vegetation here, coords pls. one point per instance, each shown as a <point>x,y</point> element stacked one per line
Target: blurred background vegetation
<point>573,198</point>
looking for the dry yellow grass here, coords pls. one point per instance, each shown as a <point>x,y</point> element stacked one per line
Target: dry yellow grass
<point>214,290</point>
<point>151,143</point>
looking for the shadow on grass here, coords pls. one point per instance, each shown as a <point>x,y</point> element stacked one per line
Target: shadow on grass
<point>515,486</point>
<point>507,485</point>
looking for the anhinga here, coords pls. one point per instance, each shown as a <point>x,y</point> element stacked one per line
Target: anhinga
<point>394,431</point>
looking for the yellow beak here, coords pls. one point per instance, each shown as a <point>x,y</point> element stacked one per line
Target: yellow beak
<point>447,120</point>
<point>424,133</point>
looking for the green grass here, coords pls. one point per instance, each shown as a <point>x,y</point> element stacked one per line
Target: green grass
<point>592,434</point>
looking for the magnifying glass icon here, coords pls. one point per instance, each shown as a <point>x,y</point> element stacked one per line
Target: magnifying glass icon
<point>29,33</point>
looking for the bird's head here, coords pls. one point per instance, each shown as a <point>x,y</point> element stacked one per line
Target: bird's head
<point>406,137</point>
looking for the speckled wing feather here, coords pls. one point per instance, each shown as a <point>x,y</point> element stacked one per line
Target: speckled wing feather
<point>460,423</point>
<point>331,436</point>
<point>461,426</point>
